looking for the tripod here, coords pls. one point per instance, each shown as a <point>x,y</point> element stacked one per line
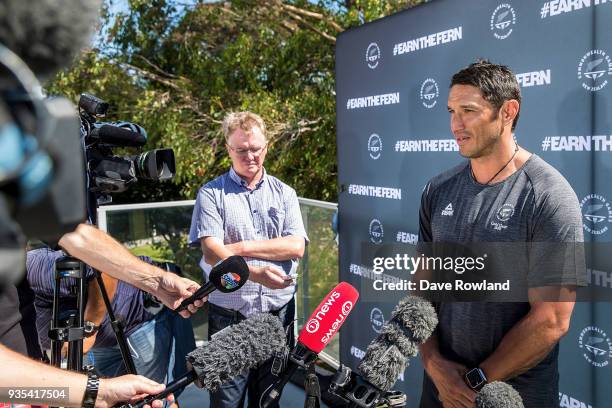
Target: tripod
<point>73,329</point>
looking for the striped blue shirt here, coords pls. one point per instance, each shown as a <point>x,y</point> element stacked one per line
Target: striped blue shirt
<point>226,209</point>
<point>127,302</point>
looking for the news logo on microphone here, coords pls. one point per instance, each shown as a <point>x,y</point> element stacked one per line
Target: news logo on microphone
<point>230,280</point>
<point>329,316</point>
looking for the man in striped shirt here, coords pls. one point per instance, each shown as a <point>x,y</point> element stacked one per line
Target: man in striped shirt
<point>250,213</point>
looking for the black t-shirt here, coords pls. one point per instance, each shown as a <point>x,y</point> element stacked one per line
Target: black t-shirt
<point>535,204</point>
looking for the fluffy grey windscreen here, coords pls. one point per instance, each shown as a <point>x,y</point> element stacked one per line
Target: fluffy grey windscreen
<point>382,364</point>
<point>47,34</point>
<point>237,348</point>
<point>412,322</point>
<point>498,395</point>
<point>418,316</point>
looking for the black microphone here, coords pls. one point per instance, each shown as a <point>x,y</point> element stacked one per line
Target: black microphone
<point>118,136</point>
<point>498,394</point>
<point>47,35</point>
<point>226,276</point>
<point>230,352</point>
<point>412,322</point>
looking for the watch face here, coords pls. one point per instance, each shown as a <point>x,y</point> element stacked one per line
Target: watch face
<point>474,377</point>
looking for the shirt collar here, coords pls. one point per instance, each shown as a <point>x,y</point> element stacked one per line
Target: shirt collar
<point>238,180</point>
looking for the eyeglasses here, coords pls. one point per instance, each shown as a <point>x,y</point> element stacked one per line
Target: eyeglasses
<point>255,151</point>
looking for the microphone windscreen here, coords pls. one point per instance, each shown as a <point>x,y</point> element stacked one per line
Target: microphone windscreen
<point>382,364</point>
<point>417,316</point>
<point>498,394</point>
<point>230,274</point>
<point>236,349</point>
<point>412,322</point>
<point>328,317</point>
<point>47,34</point>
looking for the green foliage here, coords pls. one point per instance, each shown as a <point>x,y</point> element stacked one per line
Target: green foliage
<point>177,70</point>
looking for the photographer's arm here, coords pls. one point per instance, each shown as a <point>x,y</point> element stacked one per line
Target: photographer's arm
<point>20,372</point>
<point>102,252</point>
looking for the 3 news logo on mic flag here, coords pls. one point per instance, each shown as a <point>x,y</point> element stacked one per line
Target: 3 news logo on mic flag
<point>327,318</point>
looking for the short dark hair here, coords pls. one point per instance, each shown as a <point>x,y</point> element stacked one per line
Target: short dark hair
<point>497,83</point>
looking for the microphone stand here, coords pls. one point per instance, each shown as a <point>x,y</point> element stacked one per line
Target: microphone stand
<point>299,357</point>
<point>357,392</point>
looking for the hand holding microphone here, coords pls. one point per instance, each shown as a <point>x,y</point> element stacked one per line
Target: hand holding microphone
<point>237,348</point>
<point>226,276</point>
<point>322,325</point>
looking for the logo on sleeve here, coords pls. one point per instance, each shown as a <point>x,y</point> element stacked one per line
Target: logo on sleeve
<point>448,211</point>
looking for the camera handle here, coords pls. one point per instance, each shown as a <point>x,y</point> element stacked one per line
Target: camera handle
<point>73,333</point>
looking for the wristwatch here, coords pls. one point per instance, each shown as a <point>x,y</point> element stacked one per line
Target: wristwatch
<point>475,378</point>
<point>91,390</point>
<point>90,328</point>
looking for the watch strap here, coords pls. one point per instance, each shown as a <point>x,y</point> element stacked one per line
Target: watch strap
<point>91,390</point>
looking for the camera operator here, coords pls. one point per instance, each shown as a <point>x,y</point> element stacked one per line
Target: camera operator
<point>36,138</point>
<point>159,339</point>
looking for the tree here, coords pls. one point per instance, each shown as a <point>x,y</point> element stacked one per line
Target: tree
<point>177,69</point>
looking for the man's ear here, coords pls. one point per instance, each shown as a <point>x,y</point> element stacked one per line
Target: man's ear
<point>509,111</point>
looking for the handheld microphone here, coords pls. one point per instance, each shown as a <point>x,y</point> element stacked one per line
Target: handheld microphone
<point>412,322</point>
<point>498,394</point>
<point>322,325</point>
<point>226,276</point>
<point>238,348</point>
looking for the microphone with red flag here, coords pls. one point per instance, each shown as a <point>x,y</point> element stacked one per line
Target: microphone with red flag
<point>319,329</point>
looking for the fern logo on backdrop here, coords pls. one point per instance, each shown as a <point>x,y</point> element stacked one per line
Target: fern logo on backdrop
<point>373,55</point>
<point>594,69</point>
<point>377,319</point>
<point>375,146</point>
<point>596,214</point>
<point>429,93</point>
<point>596,345</point>
<point>376,231</point>
<point>503,20</point>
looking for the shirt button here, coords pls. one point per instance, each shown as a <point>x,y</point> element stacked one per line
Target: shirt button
<point>254,211</point>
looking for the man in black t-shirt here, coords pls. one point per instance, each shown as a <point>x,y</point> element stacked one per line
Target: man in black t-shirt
<point>502,194</point>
